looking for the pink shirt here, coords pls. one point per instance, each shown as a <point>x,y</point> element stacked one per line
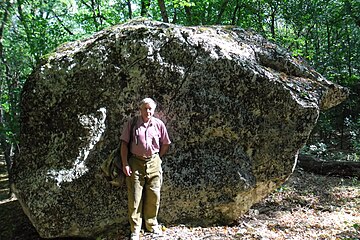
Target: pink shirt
<point>147,137</point>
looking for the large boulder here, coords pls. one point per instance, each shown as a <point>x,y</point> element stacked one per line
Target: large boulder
<point>238,109</point>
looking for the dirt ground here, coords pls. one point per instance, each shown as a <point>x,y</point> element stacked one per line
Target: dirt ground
<point>308,206</point>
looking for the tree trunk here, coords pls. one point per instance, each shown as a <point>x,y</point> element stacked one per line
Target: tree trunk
<point>128,3</point>
<point>145,4</point>
<point>222,10</point>
<point>174,20</point>
<point>163,11</point>
<point>234,18</point>
<point>188,14</point>
<point>2,27</point>
<point>5,146</point>
<point>272,25</point>
<point>93,9</point>
<point>332,168</point>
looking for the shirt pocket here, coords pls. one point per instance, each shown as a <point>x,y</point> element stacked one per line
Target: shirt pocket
<point>155,137</point>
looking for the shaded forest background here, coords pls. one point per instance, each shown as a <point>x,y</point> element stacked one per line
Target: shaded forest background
<point>323,33</point>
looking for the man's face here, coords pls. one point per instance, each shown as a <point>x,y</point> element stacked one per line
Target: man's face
<point>147,111</point>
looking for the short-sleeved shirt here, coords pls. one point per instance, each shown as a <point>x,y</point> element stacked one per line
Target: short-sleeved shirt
<point>147,138</point>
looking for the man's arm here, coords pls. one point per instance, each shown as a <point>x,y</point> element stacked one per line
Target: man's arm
<point>163,149</point>
<point>124,151</point>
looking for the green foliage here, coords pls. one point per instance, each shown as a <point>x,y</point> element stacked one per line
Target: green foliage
<point>282,188</point>
<point>357,227</point>
<point>319,149</point>
<point>354,132</point>
<point>182,3</point>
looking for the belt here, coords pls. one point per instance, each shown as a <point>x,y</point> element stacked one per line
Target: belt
<point>144,158</point>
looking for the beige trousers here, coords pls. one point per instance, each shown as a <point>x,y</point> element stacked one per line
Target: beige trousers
<point>144,186</point>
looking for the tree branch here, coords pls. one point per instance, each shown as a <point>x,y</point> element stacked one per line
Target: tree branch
<point>62,24</point>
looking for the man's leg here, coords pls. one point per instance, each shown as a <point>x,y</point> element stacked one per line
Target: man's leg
<point>152,193</point>
<point>135,184</point>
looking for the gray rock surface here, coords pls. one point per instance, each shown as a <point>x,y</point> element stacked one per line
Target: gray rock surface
<point>238,108</point>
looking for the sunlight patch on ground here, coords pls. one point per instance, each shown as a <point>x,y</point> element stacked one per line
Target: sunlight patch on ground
<point>312,223</point>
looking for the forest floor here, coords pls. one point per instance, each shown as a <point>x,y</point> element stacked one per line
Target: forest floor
<point>307,206</point>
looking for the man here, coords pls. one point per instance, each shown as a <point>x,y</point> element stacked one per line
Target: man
<point>149,141</point>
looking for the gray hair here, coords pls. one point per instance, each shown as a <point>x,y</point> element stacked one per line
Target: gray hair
<point>147,101</point>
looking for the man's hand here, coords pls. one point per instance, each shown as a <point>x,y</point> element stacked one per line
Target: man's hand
<point>124,154</point>
<point>163,149</point>
<point>127,170</point>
